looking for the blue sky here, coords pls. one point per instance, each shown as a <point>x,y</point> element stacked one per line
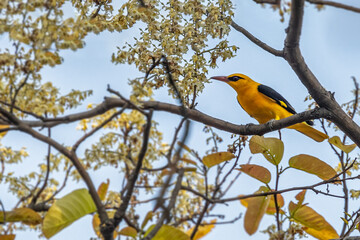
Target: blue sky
<point>330,45</point>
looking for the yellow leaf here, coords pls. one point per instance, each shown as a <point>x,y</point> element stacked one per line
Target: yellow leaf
<point>167,232</point>
<point>2,134</point>
<point>217,158</point>
<point>314,223</point>
<point>128,231</point>
<point>188,161</point>
<point>66,210</point>
<point>255,211</point>
<point>312,165</point>
<point>25,215</point>
<point>244,201</point>
<point>271,209</point>
<point>7,237</point>
<point>337,142</point>
<point>202,231</point>
<point>301,196</point>
<point>102,190</point>
<point>271,148</point>
<point>96,224</point>
<point>184,146</point>
<point>258,172</point>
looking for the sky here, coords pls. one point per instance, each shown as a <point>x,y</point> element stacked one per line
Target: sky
<point>330,45</point>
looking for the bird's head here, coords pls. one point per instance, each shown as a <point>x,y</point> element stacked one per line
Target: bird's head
<point>234,80</point>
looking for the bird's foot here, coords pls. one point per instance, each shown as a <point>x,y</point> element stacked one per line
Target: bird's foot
<point>270,124</point>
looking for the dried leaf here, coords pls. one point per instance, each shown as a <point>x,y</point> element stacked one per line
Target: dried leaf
<point>255,211</point>
<point>258,172</point>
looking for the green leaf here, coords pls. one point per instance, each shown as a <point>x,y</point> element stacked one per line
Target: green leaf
<point>217,158</point>
<point>337,142</point>
<point>66,210</point>
<point>255,211</point>
<point>258,172</point>
<point>314,223</point>
<point>167,232</point>
<point>271,148</point>
<point>312,165</point>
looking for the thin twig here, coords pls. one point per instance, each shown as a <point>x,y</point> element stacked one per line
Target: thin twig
<point>189,189</point>
<point>120,213</point>
<point>67,153</point>
<point>94,130</point>
<point>33,201</point>
<point>170,206</point>
<point>335,4</point>
<point>278,53</point>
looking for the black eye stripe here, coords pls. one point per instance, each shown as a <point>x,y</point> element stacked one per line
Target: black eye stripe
<point>235,78</point>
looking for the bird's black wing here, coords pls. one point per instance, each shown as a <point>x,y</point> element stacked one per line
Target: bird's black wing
<point>274,95</point>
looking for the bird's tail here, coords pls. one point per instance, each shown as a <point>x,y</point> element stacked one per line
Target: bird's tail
<point>310,131</point>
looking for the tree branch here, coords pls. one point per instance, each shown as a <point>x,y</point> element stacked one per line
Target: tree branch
<point>63,150</point>
<point>295,59</point>
<point>255,40</point>
<point>276,2</point>
<point>249,129</point>
<point>108,228</point>
<point>335,4</point>
<point>171,205</point>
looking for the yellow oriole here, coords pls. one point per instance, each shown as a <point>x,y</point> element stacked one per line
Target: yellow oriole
<point>265,104</point>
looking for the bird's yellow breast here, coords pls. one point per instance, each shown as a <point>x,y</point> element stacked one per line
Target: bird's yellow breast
<point>259,106</point>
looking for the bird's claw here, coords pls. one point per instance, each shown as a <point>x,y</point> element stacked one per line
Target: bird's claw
<point>270,124</point>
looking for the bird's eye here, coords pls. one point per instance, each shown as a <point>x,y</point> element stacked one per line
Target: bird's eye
<point>235,78</point>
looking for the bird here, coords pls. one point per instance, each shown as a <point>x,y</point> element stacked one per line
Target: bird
<point>265,104</point>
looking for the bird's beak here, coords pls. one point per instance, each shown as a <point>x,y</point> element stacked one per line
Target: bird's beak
<point>220,78</point>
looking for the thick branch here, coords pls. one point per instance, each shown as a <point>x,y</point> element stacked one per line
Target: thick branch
<point>255,40</point>
<point>335,4</point>
<point>295,59</point>
<point>250,129</point>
